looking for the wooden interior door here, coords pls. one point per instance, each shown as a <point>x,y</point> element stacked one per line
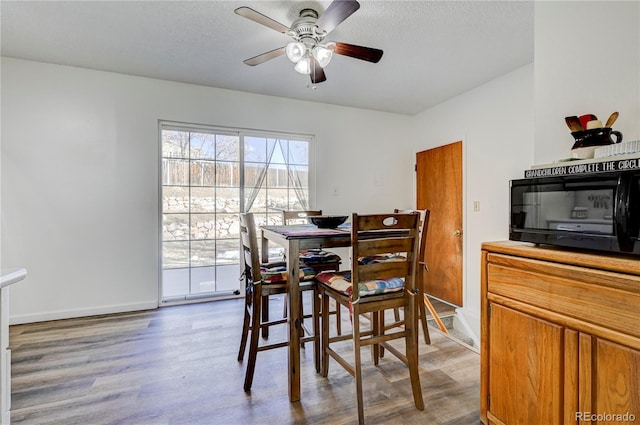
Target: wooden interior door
<point>439,187</point>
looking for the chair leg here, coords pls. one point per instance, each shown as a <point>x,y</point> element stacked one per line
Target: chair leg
<point>255,334</point>
<point>396,314</point>
<point>338,318</point>
<point>316,328</point>
<point>358,366</point>
<point>381,349</point>
<point>246,323</point>
<point>423,320</point>
<point>377,327</point>
<point>412,353</point>
<point>265,315</point>
<point>324,308</point>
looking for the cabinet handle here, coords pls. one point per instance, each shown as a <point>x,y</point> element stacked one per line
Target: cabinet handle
<point>457,232</point>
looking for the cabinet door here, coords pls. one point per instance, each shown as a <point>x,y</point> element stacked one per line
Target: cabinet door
<point>525,373</point>
<point>616,389</point>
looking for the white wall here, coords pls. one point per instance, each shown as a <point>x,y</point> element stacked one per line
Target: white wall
<point>80,158</point>
<point>587,60</point>
<point>495,124</point>
<point>80,162</point>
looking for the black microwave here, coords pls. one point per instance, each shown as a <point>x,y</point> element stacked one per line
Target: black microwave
<point>597,211</point>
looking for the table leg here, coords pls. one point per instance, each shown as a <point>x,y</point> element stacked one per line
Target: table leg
<point>294,317</point>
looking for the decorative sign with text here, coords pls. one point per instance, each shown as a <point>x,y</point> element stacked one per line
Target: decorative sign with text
<point>569,168</point>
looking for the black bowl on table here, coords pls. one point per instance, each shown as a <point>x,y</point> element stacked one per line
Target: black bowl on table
<point>328,221</point>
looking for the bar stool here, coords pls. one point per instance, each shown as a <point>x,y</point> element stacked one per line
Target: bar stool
<point>263,281</point>
<point>375,283</point>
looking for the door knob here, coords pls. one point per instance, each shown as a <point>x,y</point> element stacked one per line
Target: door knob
<point>457,232</point>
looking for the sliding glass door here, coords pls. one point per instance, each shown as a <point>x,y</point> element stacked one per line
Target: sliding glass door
<point>208,177</point>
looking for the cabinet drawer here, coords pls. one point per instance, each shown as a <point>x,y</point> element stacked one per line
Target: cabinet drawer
<point>602,298</point>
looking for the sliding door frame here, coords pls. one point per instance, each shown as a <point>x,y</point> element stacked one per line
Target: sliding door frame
<point>241,133</point>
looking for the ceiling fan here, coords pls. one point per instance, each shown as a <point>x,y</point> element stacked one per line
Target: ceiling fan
<point>308,50</point>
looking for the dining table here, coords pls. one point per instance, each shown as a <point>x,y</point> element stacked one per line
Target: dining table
<point>294,238</point>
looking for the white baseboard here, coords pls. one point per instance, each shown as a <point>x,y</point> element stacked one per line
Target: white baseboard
<point>83,312</point>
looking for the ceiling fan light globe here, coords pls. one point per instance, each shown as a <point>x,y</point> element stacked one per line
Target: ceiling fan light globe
<point>322,55</point>
<point>295,51</point>
<point>304,66</point>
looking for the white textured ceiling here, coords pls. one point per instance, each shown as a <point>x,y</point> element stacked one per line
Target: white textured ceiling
<point>433,50</point>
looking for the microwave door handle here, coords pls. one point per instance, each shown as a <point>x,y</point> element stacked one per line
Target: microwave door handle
<point>622,204</point>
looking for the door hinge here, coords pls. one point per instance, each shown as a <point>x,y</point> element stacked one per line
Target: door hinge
<point>489,401</point>
<point>415,167</point>
<point>489,311</point>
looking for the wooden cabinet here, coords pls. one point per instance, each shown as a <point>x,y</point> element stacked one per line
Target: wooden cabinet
<point>560,337</point>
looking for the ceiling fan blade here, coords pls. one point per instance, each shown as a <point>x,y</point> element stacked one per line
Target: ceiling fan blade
<point>337,12</point>
<point>257,60</point>
<point>317,73</point>
<point>258,17</point>
<point>359,52</point>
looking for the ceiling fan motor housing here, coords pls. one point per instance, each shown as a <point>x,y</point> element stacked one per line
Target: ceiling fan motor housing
<point>305,29</point>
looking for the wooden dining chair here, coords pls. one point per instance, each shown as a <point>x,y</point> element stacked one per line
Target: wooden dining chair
<point>263,281</point>
<point>375,283</point>
<point>317,259</point>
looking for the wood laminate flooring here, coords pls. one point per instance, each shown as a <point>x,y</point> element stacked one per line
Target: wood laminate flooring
<point>177,365</point>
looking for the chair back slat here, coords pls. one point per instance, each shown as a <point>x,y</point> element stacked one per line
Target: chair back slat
<point>390,245</point>
<point>385,222</point>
